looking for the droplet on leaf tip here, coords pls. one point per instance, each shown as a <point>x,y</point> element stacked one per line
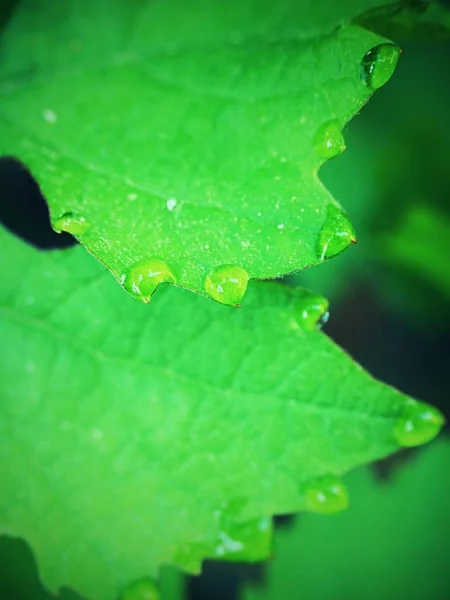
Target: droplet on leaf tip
<point>311,311</point>
<point>420,424</point>
<point>246,541</point>
<point>326,495</point>
<point>378,65</point>
<point>72,223</point>
<point>336,234</point>
<point>144,589</point>
<point>227,284</point>
<point>329,140</point>
<point>142,279</point>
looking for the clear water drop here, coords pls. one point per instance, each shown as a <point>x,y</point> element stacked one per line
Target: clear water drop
<point>419,424</point>
<point>72,223</point>
<point>310,310</point>
<point>245,541</point>
<point>329,140</point>
<point>142,279</point>
<point>326,495</point>
<point>227,284</point>
<point>144,589</point>
<point>171,204</point>
<point>378,65</point>
<point>336,234</point>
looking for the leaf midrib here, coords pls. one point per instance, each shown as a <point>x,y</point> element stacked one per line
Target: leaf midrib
<point>43,327</point>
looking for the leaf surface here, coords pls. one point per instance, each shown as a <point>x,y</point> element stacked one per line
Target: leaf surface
<point>187,132</point>
<point>132,438</point>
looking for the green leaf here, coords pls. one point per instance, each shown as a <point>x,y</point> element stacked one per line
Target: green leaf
<point>189,133</point>
<point>19,578</point>
<point>132,438</point>
<point>376,549</point>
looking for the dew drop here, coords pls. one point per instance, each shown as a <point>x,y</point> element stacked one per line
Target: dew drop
<point>142,279</point>
<point>329,140</point>
<point>310,311</point>
<point>227,284</point>
<point>378,65</point>
<point>72,223</point>
<point>336,234</point>
<point>326,495</point>
<point>244,541</point>
<point>171,203</point>
<point>419,424</point>
<point>50,116</point>
<point>144,589</point>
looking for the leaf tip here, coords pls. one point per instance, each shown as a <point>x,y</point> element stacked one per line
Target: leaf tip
<point>329,140</point>
<point>378,65</point>
<point>310,311</point>
<point>72,223</point>
<point>419,424</point>
<point>336,234</point>
<point>227,284</point>
<point>142,279</point>
<point>326,495</point>
<point>144,589</point>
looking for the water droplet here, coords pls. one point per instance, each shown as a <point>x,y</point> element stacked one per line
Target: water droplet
<point>49,115</point>
<point>72,223</point>
<point>336,235</point>
<point>144,589</point>
<point>248,541</point>
<point>379,64</point>
<point>227,284</point>
<point>310,310</point>
<point>171,203</point>
<point>326,495</point>
<point>419,424</point>
<point>142,279</point>
<point>329,140</point>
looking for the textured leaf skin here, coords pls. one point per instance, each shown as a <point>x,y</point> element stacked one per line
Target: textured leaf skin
<point>376,549</point>
<point>184,131</point>
<point>131,438</point>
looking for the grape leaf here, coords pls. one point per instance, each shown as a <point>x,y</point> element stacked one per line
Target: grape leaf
<point>132,438</point>
<point>376,549</point>
<point>189,133</point>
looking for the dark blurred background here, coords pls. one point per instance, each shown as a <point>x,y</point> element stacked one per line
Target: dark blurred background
<point>390,310</point>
